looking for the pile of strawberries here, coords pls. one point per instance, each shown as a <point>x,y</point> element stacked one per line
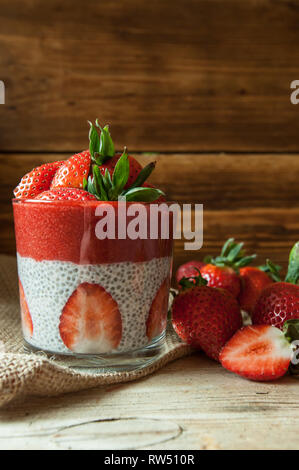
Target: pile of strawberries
<point>207,313</point>
<point>95,174</point>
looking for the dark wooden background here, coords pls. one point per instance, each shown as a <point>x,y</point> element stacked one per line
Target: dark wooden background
<point>205,84</point>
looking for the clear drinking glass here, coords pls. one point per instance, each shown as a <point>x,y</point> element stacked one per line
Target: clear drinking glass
<point>90,289</point>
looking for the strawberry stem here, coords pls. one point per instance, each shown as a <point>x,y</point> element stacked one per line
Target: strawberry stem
<point>101,147</point>
<point>232,255</point>
<point>193,281</point>
<point>272,270</point>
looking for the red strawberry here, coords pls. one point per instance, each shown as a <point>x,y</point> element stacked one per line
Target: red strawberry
<point>73,171</point>
<point>157,318</point>
<point>37,180</point>
<point>279,301</point>
<point>25,314</point>
<point>253,281</point>
<point>66,194</point>
<point>257,353</point>
<point>90,321</point>
<point>223,270</point>
<point>188,270</point>
<point>205,317</point>
<point>223,277</point>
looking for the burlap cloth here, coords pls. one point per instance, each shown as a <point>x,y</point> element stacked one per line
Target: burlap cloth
<point>24,374</point>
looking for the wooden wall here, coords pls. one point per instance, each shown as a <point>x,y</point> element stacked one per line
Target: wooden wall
<point>205,84</point>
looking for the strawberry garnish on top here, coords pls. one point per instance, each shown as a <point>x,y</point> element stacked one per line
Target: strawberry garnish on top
<point>37,180</point>
<point>279,301</point>
<point>205,317</point>
<point>257,352</point>
<point>223,271</point>
<point>99,170</point>
<point>116,182</point>
<point>72,172</point>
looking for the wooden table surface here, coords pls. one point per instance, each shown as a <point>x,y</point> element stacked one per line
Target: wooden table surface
<point>192,403</point>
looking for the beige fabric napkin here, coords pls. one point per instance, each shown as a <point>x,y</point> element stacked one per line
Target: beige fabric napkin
<point>35,374</point>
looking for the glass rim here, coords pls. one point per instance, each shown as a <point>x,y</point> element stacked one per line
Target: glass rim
<point>86,203</point>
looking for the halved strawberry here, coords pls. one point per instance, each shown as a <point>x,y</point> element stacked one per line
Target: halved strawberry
<point>25,314</point>
<point>259,352</point>
<point>90,322</point>
<point>73,171</point>
<point>157,318</point>
<point>37,180</point>
<point>66,194</point>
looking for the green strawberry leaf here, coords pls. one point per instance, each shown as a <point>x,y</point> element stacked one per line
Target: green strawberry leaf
<point>234,252</point>
<point>272,270</point>
<point>90,186</point>
<point>120,174</point>
<point>143,194</point>
<point>232,255</point>
<point>227,246</point>
<point>106,143</point>
<point>107,182</point>
<point>193,281</point>
<point>143,175</point>
<point>99,184</point>
<point>245,261</point>
<point>94,141</point>
<point>293,269</point>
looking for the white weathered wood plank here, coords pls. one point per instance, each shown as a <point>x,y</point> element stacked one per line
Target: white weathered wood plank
<point>191,404</point>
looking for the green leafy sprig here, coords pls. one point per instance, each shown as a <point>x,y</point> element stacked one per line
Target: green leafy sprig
<point>109,188</point>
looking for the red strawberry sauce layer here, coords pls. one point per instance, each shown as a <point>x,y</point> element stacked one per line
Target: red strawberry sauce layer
<point>65,231</point>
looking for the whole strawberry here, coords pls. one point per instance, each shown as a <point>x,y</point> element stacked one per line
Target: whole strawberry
<point>188,270</point>
<point>253,281</point>
<point>205,317</point>
<point>223,270</point>
<point>37,180</point>
<point>279,301</point>
<point>73,171</point>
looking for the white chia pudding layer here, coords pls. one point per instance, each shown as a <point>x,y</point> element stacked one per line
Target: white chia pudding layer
<point>49,284</point>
